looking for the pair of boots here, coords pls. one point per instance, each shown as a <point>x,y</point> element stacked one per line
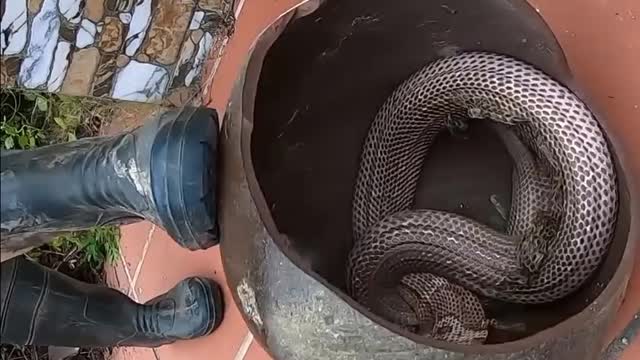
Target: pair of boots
<point>164,172</point>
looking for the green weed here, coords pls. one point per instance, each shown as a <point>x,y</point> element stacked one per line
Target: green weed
<point>31,119</point>
<point>99,245</point>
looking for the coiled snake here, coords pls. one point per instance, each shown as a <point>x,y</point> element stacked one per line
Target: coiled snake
<point>418,267</point>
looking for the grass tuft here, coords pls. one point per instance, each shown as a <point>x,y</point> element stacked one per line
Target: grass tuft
<point>94,248</point>
<point>31,119</point>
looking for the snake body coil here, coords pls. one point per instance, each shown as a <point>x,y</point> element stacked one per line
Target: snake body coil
<point>416,266</point>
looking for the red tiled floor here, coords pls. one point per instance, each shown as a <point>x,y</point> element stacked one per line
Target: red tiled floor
<point>256,352</point>
<point>633,352</point>
<point>133,250</point>
<point>117,278</point>
<point>166,263</point>
<point>133,354</point>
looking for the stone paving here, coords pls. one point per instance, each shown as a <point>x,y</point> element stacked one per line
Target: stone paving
<point>145,50</point>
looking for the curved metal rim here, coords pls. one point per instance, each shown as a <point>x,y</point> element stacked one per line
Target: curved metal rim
<point>248,91</point>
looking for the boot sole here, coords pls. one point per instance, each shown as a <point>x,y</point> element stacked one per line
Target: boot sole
<point>184,177</point>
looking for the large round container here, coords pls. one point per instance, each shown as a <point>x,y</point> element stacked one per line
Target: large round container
<point>290,147</point>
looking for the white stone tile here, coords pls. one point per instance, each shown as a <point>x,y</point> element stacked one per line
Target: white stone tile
<point>204,48</point>
<point>59,67</point>
<point>196,20</point>
<point>71,10</point>
<point>188,48</point>
<point>141,82</point>
<point>86,34</point>
<point>14,23</point>
<point>36,65</point>
<point>125,18</point>
<point>138,26</point>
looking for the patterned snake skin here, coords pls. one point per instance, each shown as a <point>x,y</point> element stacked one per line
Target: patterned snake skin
<point>425,269</point>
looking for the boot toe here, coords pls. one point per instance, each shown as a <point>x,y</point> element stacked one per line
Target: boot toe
<point>194,308</point>
<point>210,300</point>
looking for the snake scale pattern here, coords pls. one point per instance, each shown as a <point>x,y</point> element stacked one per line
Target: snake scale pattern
<point>427,269</point>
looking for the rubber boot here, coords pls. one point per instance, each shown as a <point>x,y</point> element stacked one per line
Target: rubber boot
<point>43,307</point>
<point>163,172</point>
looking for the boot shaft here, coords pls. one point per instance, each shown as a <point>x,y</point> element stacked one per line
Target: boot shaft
<point>71,186</point>
<point>164,172</point>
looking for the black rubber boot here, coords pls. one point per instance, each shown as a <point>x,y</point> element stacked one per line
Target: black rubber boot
<point>43,307</point>
<point>163,172</point>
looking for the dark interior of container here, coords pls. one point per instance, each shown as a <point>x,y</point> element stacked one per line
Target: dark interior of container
<point>323,81</point>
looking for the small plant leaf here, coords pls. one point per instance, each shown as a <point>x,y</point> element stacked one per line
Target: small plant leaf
<point>42,104</point>
<point>8,143</point>
<point>23,141</point>
<point>72,137</point>
<point>32,142</point>
<point>10,130</point>
<point>57,243</point>
<point>60,122</point>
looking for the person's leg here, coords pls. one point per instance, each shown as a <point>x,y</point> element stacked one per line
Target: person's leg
<point>44,307</point>
<point>164,172</point>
